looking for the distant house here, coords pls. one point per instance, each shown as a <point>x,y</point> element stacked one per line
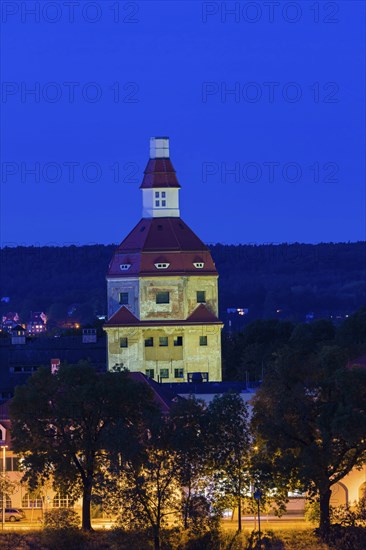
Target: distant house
<point>37,323</point>
<point>9,321</point>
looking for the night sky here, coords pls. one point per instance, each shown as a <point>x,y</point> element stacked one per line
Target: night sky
<point>264,107</point>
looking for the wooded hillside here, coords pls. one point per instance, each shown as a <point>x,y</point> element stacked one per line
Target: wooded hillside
<point>296,279</point>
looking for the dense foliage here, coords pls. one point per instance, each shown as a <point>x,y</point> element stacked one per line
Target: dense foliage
<point>115,539</point>
<point>61,424</point>
<point>251,353</point>
<point>295,279</point>
<point>309,415</point>
<point>103,435</point>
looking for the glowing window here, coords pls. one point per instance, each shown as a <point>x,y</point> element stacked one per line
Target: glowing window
<point>32,501</point>
<point>61,500</point>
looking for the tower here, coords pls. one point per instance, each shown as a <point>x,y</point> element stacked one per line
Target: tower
<point>162,288</point>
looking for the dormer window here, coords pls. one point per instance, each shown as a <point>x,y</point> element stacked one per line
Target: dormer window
<point>198,265</point>
<point>124,267</point>
<point>162,265</point>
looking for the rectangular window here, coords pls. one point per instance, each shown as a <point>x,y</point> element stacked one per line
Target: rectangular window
<point>150,373</point>
<point>163,194</point>
<point>163,203</point>
<point>149,342</point>
<point>178,373</point>
<point>123,342</point>
<point>162,298</point>
<point>201,297</point>
<point>164,373</point>
<point>203,340</point>
<point>178,341</point>
<point>157,194</point>
<point>123,298</point>
<point>163,341</point>
<point>157,203</point>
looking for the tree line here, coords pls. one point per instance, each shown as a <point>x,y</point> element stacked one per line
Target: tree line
<point>104,437</point>
<point>284,280</point>
<point>250,353</point>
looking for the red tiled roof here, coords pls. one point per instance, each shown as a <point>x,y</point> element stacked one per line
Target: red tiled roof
<point>153,238</point>
<point>124,318</point>
<point>202,315</point>
<point>159,173</point>
<point>160,234</point>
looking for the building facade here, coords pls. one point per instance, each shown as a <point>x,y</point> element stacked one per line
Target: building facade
<point>162,288</point>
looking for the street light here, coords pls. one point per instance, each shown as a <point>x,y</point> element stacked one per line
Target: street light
<point>4,447</point>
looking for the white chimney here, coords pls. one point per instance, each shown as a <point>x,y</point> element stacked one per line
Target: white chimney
<point>159,148</point>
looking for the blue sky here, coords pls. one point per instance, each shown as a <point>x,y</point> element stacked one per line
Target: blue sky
<point>264,106</point>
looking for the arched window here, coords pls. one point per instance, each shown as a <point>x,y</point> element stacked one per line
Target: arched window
<point>339,496</point>
<point>8,501</point>
<point>60,500</point>
<point>32,500</point>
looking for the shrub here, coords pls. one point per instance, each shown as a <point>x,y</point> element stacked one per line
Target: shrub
<point>312,511</point>
<point>64,539</point>
<point>346,538</point>
<point>344,515</point>
<point>209,541</point>
<point>61,518</point>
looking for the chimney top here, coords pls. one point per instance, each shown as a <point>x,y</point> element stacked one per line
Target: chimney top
<point>159,148</point>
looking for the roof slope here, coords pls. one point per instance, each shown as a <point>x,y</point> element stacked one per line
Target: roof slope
<point>159,172</point>
<point>163,397</point>
<point>200,316</point>
<point>156,240</point>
